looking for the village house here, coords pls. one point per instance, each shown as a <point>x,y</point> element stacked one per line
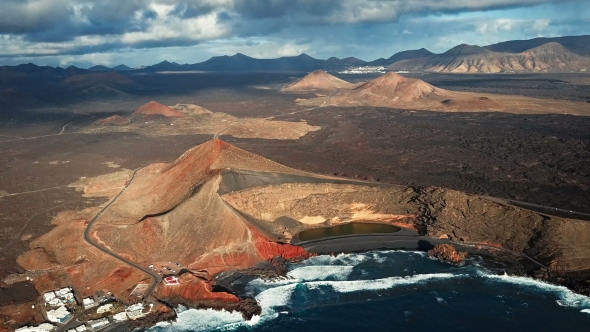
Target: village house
<point>120,317</point>
<point>59,315</point>
<point>98,323</point>
<point>105,308</point>
<point>45,327</point>
<point>88,303</point>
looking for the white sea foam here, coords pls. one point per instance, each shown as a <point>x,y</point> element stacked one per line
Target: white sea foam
<point>341,259</point>
<point>204,320</point>
<point>323,272</point>
<point>349,286</point>
<point>272,298</point>
<point>567,297</point>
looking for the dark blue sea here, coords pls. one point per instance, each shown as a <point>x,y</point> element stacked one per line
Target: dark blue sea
<point>397,291</point>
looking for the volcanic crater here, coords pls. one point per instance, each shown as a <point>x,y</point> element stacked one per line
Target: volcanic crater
<point>218,208</point>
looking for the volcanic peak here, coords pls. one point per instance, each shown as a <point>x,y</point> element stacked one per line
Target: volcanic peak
<point>161,187</point>
<point>551,48</point>
<point>318,80</point>
<point>115,120</point>
<point>155,108</point>
<point>396,86</point>
<point>465,49</point>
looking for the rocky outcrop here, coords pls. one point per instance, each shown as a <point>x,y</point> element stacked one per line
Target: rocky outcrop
<point>192,289</point>
<point>447,253</point>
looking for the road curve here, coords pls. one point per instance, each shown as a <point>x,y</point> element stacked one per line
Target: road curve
<point>157,278</point>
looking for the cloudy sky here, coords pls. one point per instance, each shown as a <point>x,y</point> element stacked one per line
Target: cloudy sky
<point>144,32</point>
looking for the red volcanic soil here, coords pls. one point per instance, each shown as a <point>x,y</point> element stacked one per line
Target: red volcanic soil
<point>155,108</point>
<point>318,80</point>
<point>115,120</point>
<point>395,86</point>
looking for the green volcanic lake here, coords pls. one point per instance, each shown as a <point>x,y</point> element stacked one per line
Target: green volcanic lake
<point>352,228</point>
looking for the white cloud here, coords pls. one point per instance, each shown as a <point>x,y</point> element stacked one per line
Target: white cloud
<point>491,26</point>
<point>171,27</point>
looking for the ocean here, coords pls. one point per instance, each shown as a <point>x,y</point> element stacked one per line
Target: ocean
<point>396,291</point>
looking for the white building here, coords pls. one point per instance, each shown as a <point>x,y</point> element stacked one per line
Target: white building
<point>55,302</point>
<point>45,327</point>
<point>98,323</point>
<point>120,317</point>
<point>80,328</point>
<point>49,296</point>
<point>58,315</point>
<point>135,307</point>
<point>65,290</point>
<point>136,311</point>
<point>88,302</point>
<point>105,308</point>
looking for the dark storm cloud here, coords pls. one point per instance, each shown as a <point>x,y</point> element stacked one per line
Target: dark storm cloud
<point>18,17</point>
<point>190,10</point>
<point>84,26</point>
<point>62,20</point>
<point>279,8</point>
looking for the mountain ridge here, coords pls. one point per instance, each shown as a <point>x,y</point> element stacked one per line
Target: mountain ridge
<point>548,57</point>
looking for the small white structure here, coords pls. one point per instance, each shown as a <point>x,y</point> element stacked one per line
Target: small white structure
<point>49,296</point>
<point>88,303</point>
<point>54,302</point>
<point>98,323</point>
<point>135,311</point>
<point>58,315</point>
<point>65,290</point>
<point>45,327</point>
<point>120,317</point>
<point>135,307</point>
<point>80,328</point>
<point>105,308</point>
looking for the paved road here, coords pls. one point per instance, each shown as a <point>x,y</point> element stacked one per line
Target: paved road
<point>157,278</point>
<point>404,239</point>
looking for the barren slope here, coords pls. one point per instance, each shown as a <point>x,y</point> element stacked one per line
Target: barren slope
<point>218,208</point>
<point>550,57</point>
<point>189,119</point>
<point>155,108</point>
<point>396,91</point>
<point>318,80</point>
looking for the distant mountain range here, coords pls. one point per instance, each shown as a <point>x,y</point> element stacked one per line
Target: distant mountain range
<point>562,54</point>
<point>105,68</point>
<point>548,57</point>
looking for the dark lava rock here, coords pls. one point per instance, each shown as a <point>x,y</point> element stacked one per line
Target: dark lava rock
<point>447,253</point>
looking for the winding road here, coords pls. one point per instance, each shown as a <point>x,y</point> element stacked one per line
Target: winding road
<point>157,278</point>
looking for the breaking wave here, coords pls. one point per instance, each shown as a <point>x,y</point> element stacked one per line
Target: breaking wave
<point>325,281</point>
